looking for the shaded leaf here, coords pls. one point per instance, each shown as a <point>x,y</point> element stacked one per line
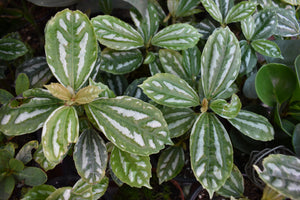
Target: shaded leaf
<point>141,5</point>
<point>287,24</point>
<point>61,193</point>
<point>22,83</point>
<point>53,3</point>
<point>5,96</point>
<point>40,192</point>
<point>15,165</point>
<point>106,6</point>
<point>133,90</point>
<point>7,185</point>
<point>32,176</point>
<point>296,139</point>
<point>24,153</point>
<point>182,8</point>
<point>105,91</point>
<point>11,49</point>
<point>265,23</point>
<point>248,59</point>
<point>191,60</point>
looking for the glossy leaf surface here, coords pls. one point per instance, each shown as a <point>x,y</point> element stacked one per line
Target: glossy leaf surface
<point>240,11</point>
<point>267,48</point>
<point>227,110</point>
<point>211,7</point>
<point>248,27</point>
<point>287,24</point>
<point>63,193</point>
<point>40,192</point>
<point>11,49</point>
<point>265,23</point>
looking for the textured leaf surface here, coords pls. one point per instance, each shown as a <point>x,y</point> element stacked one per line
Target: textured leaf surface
<point>24,153</point>
<point>116,34</point>
<point>227,110</point>
<point>170,90</point>
<point>90,156</point>
<point>71,47</point>
<point>131,124</point>
<point>132,169</point>
<point>211,152</point>
<point>267,48</point>
<point>170,163</point>
<point>59,91</point>
<point>182,8</point>
<point>117,83</point>
<point>11,49</point>
<point>220,61</point>
<point>32,176</point>
<point>248,59</point>
<point>240,11</point>
<point>214,11</point>
<point>105,91</point>
<point>281,173</point>
<point>82,191</point>
<point>40,192</point>
<point>228,92</point>
<point>287,24</point>
<point>191,60</point>
<point>155,67</point>
<point>248,27</point>
<point>63,193</point>
<point>253,125</point>
<point>206,27</point>
<point>224,6</point>
<point>22,83</point>
<point>133,90</point>
<point>40,158</point>
<point>177,37</point>
<point>60,129</point>
<point>265,23</point>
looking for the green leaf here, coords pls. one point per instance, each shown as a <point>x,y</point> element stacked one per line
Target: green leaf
<point>130,124</point>
<point>15,165</point>
<point>71,47</point>
<point>132,169</point>
<point>106,92</point>
<point>170,163</point>
<point>90,156</point>
<point>22,83</point>
<point>296,139</point>
<point>5,156</point>
<point>99,189</point>
<point>206,27</point>
<point>224,6</point>
<point>248,59</point>
<point>249,87</point>
<point>63,193</point>
<point>220,61</point>
<point>234,185</point>
<point>150,58</point>
<point>240,11</point>
<point>281,173</point>
<point>106,6</point>
<point>191,60</point>
<point>287,24</point>
<point>40,192</point>
<point>120,62</point>
<point>297,68</point>
<point>133,90</point>
<point>11,49</point>
<point>82,190</point>
<point>211,152</point>
<point>40,158</point>
<point>141,5</point>
<point>182,8</point>
<point>227,110</point>
<point>117,83</point>
<point>60,129</point>
<point>267,48</point>
<point>10,147</point>
<point>211,7</point>
<point>265,24</point>
<point>179,120</point>
<point>275,83</point>
<point>177,37</point>
<point>24,154</point>
<point>248,27</point>
<point>7,185</point>
<point>228,92</point>
<point>155,67</point>
<point>32,176</point>
<point>53,3</point>
<point>116,34</point>
<point>253,125</point>
<point>5,96</point>
<point>292,2</point>
<point>170,90</point>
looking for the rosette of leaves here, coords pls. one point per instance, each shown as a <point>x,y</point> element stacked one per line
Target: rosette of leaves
<point>220,65</point>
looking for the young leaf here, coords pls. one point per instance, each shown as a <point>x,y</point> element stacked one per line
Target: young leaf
<point>22,83</point>
<point>120,62</point>
<point>211,152</point>
<point>116,34</point>
<point>227,110</point>
<point>182,8</point>
<point>40,158</point>
<point>40,192</point>
<point>5,96</point>
<point>266,48</point>
<point>248,27</point>
<point>24,154</point>
<point>5,156</point>
<point>191,60</point>
<point>71,47</point>
<point>131,124</point>
<point>132,169</point>
<point>281,173</point>
<point>240,11</point>
<point>60,129</point>
<point>170,90</point>
<point>15,165</point>
<point>87,94</point>
<point>11,49</point>
<point>287,24</point>
<point>211,7</point>
<point>220,62</point>
<point>265,24</point>
<point>32,176</point>
<point>248,57</point>
<point>253,125</point>
<point>59,91</point>
<point>7,185</point>
<point>170,163</point>
<point>90,156</point>
<point>176,37</point>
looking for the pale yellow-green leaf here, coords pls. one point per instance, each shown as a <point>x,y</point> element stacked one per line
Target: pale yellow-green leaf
<point>59,91</point>
<point>87,94</point>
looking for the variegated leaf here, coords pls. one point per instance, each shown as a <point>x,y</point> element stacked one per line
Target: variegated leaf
<point>265,23</point>
<point>60,129</point>
<point>214,11</point>
<point>59,91</point>
<point>171,62</point>
<point>105,91</point>
<point>11,49</point>
<point>240,11</point>
<point>99,189</point>
<point>234,185</point>
<point>63,193</point>
<point>71,47</point>
<point>253,125</point>
<point>87,94</point>
<point>24,153</point>
<point>292,2</point>
<point>150,58</point>
<point>133,90</point>
<point>248,57</point>
<point>211,152</point>
<point>131,124</point>
<point>266,48</point>
<point>82,191</point>
<point>248,27</point>
<point>191,60</point>
<point>106,6</point>
<point>228,92</point>
<point>130,168</point>
<point>206,27</point>
<point>179,120</point>
<point>40,158</point>
<point>227,110</point>
<point>182,8</point>
<point>116,34</point>
<point>177,37</point>
<point>220,62</point>
<point>90,156</point>
<point>155,67</point>
<point>287,24</point>
<point>224,6</point>
<point>282,173</point>
<point>170,163</point>
<point>170,90</point>
<point>40,192</point>
<point>120,62</point>
<point>160,12</point>
<point>116,83</point>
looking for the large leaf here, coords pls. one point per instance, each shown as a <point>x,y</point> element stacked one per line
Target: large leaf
<point>248,27</point>
<point>287,24</point>
<point>191,60</point>
<point>32,176</point>
<point>240,11</point>
<point>40,192</point>
<point>131,124</point>
<point>265,24</point>
<point>267,48</point>
<point>90,156</point>
<point>71,47</point>
<point>132,169</point>
<point>116,34</point>
<point>248,59</point>
<point>253,125</point>
<point>281,173</point>
<point>177,37</point>
<point>220,62</point>
<point>182,8</point>
<point>170,163</point>
<point>211,7</point>
<point>24,153</point>
<point>170,90</point>
<point>60,129</point>
<point>11,49</point>
<point>227,110</point>
<point>211,152</point>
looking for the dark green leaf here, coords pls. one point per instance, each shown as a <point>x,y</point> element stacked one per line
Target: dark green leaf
<point>40,192</point>
<point>191,61</point>
<point>117,83</point>
<point>248,59</point>
<point>206,27</point>
<point>155,67</point>
<point>240,11</point>
<point>53,3</point>
<point>297,68</point>
<point>224,6</point>
<point>296,139</point>
<point>5,96</point>
<point>106,6</point>
<point>22,83</point>
<point>287,24</point>
<point>15,165</point>
<point>5,156</point>
<point>182,8</point>
<point>249,87</point>
<point>106,92</point>
<point>11,49</point>
<point>133,90</point>
<point>213,9</point>
<point>141,5</point>
<point>32,176</point>
<point>7,185</point>
<point>265,24</point>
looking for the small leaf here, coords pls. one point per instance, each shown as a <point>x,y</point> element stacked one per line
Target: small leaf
<point>150,58</point>
<point>191,60</point>
<point>11,49</point>
<point>206,27</point>
<point>24,154</point>
<point>40,158</point>
<point>7,185</point>
<point>130,168</point>
<point>176,37</point>
<point>32,176</point>
<point>155,67</point>
<point>227,110</point>
<point>253,125</point>
<point>287,24</point>
<point>240,11</point>
<point>87,94</point>
<point>248,59</point>
<point>116,34</point>
<point>5,156</point>
<point>267,48</point>
<point>59,91</point>
<point>40,192</point>
<point>5,96</point>
<point>211,7</point>
<point>22,83</point>
<point>170,90</point>
<point>15,165</point>
<point>63,193</point>
<point>265,24</point>
<point>248,27</point>
<point>105,91</point>
<point>182,8</point>
<point>170,163</point>
<point>281,173</point>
